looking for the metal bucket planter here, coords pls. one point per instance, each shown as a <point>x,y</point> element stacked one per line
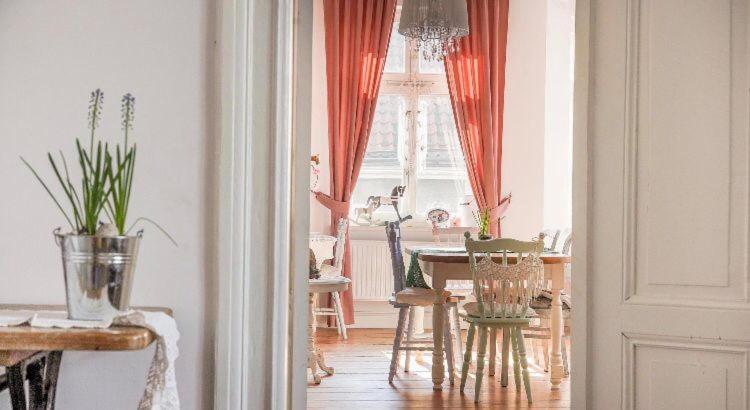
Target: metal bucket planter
<point>98,274</point>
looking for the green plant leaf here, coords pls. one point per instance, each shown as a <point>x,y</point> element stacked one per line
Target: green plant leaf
<point>46,188</point>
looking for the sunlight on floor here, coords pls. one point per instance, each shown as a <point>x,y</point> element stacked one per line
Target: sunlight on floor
<point>362,365</point>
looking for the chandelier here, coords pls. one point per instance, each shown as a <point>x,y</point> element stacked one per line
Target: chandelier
<point>436,25</point>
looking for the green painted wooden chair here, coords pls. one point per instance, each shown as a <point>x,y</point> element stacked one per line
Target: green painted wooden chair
<point>503,291</point>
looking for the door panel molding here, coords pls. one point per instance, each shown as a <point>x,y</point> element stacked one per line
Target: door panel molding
<point>662,227</point>
<point>720,365</point>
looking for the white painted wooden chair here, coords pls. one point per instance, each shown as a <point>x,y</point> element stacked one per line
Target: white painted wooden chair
<point>551,240</point>
<point>405,299</point>
<point>330,281</point>
<point>503,292</point>
<point>542,305</point>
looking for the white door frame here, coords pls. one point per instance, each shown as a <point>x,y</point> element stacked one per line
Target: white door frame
<point>581,198</point>
<point>263,203</point>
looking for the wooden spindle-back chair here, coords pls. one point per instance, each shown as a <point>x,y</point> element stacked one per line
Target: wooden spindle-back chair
<point>506,274</point>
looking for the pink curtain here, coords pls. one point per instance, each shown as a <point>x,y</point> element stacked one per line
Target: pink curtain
<point>357,35</point>
<point>476,80</point>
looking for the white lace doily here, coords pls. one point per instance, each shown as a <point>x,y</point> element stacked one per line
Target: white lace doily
<point>161,384</point>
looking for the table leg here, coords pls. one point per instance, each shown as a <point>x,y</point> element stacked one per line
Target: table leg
<point>16,377</point>
<point>557,372</point>
<point>315,358</point>
<point>438,321</point>
<point>51,375</point>
<point>41,370</point>
<point>312,361</point>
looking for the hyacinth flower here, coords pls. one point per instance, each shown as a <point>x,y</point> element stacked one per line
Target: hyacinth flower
<point>87,202</point>
<point>106,180</point>
<point>120,176</point>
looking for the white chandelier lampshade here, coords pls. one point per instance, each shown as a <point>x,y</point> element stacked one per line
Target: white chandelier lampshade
<point>435,24</point>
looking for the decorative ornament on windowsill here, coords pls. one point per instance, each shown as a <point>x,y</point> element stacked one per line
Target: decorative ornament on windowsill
<point>374,202</point>
<point>438,218</point>
<point>487,216</point>
<point>99,259</point>
<point>436,25</point>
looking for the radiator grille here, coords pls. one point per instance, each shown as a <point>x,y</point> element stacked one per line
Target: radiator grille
<point>372,272</point>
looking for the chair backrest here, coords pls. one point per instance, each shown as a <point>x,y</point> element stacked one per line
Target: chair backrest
<point>551,237</point>
<point>338,255</point>
<point>502,289</point>
<point>393,233</point>
<point>567,244</point>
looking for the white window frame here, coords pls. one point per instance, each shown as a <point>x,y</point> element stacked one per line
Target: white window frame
<point>411,84</point>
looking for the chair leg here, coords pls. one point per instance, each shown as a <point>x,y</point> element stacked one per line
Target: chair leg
<point>467,355</point>
<point>536,350</point>
<point>493,351</point>
<point>457,331</point>
<point>516,364</point>
<point>546,345</point>
<point>566,365</point>
<point>449,354</point>
<point>409,338</point>
<point>397,342</point>
<point>480,361</point>
<point>524,363</point>
<point>337,319</point>
<point>340,324</point>
<point>505,358</point>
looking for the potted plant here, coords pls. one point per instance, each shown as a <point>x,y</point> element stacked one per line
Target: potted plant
<point>484,217</point>
<point>98,258</point>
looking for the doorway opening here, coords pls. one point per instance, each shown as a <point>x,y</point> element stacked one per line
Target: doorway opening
<point>414,143</point>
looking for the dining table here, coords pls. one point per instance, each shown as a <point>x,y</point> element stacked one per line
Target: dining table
<point>443,264</point>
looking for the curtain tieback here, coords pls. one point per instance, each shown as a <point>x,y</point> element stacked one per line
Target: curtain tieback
<point>340,207</point>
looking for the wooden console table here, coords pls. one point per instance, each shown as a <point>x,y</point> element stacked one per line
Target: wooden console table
<point>34,354</point>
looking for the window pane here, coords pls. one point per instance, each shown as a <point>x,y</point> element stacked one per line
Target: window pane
<point>384,147</point>
<point>438,140</point>
<point>430,67</point>
<point>395,60</point>
<point>443,193</point>
<point>382,167</point>
<point>441,171</point>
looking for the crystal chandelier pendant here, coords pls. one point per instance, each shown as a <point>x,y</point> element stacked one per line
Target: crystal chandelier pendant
<point>435,24</point>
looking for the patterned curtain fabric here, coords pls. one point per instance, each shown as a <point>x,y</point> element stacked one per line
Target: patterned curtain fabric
<point>476,80</point>
<point>357,35</point>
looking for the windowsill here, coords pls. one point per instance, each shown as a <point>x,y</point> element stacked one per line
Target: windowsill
<point>415,233</point>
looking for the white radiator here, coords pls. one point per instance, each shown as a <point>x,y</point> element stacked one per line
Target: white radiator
<point>372,273</point>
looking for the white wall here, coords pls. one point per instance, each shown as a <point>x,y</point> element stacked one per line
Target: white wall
<point>52,54</point>
<point>523,133</point>
<point>558,141</point>
<point>320,217</point>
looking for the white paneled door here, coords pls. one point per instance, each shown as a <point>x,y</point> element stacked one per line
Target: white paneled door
<point>669,309</point>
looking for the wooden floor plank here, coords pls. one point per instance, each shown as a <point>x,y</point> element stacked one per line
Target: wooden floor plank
<point>360,380</point>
